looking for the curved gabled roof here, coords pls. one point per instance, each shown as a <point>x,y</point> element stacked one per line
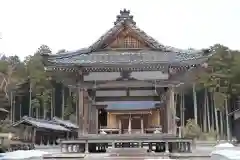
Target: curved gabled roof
<point>87,55</point>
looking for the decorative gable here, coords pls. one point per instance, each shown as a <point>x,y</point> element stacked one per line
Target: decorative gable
<point>127,39</point>
<point>125,34</point>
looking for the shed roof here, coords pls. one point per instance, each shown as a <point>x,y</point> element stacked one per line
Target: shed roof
<point>40,123</point>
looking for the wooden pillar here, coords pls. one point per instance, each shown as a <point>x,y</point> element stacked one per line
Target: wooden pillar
<point>182,110</point>
<point>108,120</point>
<point>20,110</point>
<point>167,113</point>
<point>164,112</point>
<point>86,147</point>
<point>159,117</point>
<point>63,102</point>
<point>120,125</point>
<point>142,126</point>
<point>130,124</point>
<point>85,112</point>
<point>166,147</point>
<point>80,111</point>
<point>34,135</point>
<point>174,116</point>
<point>41,139</point>
<point>171,112</point>
<point>92,118</point>
<point>96,120</point>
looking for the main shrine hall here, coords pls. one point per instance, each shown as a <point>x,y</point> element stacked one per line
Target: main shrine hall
<point>126,80</point>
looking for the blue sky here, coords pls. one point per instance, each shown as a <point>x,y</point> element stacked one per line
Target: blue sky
<point>74,24</point>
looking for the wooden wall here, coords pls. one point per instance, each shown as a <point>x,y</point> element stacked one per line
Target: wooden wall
<point>150,120</point>
<point>126,39</point>
<point>154,119</point>
<point>112,121</point>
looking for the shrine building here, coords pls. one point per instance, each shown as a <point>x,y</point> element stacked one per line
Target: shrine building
<point>126,80</point>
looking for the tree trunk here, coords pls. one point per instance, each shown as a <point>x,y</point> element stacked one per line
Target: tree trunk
<point>183,109</point>
<point>44,113</point>
<point>208,111</point>
<point>216,116</point>
<point>205,112</point>
<point>63,102</point>
<point>221,124</point>
<point>37,113</point>
<point>14,107</point>
<point>212,111</point>
<point>20,114</point>
<point>30,101</point>
<point>227,120</point>
<point>11,110</point>
<point>195,103</point>
<point>52,99</point>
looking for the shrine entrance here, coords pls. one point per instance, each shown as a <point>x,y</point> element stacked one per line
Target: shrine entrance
<point>132,123</point>
<point>124,126</point>
<point>102,118</point>
<point>135,125</point>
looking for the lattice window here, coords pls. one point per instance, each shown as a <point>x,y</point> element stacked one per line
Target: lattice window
<point>130,42</point>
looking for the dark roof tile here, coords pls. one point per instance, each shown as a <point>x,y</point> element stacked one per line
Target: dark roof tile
<point>117,57</point>
<point>93,54</point>
<point>65,123</point>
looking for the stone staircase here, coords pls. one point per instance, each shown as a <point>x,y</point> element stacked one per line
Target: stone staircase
<point>128,152</point>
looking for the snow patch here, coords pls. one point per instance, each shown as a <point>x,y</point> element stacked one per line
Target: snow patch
<point>227,153</point>
<point>22,154</point>
<point>224,145</point>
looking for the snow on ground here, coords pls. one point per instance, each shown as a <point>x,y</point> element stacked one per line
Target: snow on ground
<point>224,145</point>
<point>225,151</point>
<point>21,154</point>
<point>228,153</point>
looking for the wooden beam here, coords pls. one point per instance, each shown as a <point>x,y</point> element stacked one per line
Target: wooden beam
<point>124,88</point>
<point>113,93</point>
<point>117,112</point>
<point>99,106</point>
<point>142,98</point>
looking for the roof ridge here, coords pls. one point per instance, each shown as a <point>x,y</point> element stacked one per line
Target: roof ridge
<point>144,35</point>
<point>106,35</point>
<point>67,123</point>
<point>39,120</point>
<point>57,118</point>
<point>70,54</point>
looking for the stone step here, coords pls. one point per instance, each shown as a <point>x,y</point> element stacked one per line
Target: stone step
<point>128,151</point>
